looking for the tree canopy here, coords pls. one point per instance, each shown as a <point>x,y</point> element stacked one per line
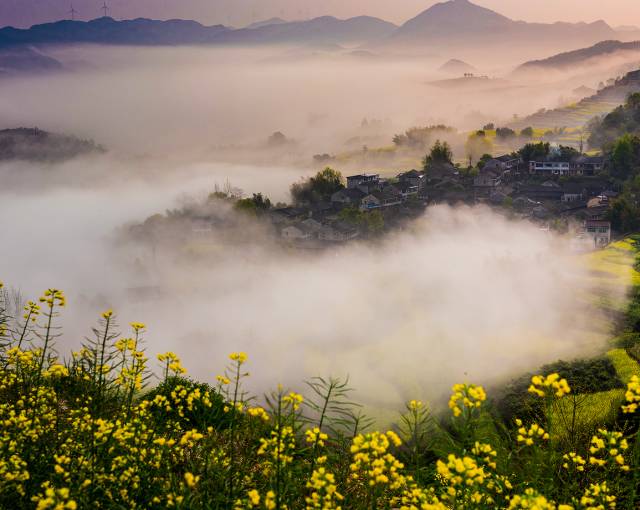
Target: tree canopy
<point>532,151</point>
<point>440,154</point>
<point>623,120</point>
<point>318,188</point>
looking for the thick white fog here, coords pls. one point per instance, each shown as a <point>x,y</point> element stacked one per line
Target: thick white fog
<point>463,294</point>
<point>190,103</point>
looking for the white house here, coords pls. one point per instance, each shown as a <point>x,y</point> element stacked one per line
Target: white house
<point>599,232</point>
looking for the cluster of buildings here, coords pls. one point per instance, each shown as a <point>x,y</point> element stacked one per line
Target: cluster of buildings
<point>544,190</point>
<point>534,188</point>
<point>322,221</point>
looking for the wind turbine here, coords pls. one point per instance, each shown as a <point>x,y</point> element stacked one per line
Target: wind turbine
<point>73,13</point>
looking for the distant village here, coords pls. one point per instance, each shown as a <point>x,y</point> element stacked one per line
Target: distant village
<point>565,194</point>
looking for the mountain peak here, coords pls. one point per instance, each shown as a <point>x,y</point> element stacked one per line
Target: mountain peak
<point>454,15</point>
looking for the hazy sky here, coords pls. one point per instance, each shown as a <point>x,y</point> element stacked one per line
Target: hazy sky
<point>240,12</point>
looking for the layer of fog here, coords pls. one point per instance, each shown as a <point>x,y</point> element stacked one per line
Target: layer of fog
<point>207,104</point>
<point>462,295</point>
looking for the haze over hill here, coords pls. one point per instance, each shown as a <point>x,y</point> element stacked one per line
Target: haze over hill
<point>585,56</point>
<point>148,32</point>
<point>240,13</point>
<point>452,25</point>
<point>463,24</point>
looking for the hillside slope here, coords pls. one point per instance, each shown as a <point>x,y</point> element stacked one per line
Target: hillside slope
<point>582,57</point>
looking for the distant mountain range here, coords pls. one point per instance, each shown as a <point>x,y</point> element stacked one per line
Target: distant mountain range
<point>461,23</point>
<point>324,30</point>
<point>582,57</point>
<point>267,22</point>
<point>452,25</point>
<point>25,59</point>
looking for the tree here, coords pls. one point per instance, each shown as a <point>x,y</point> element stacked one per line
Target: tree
<point>476,146</point>
<point>440,154</point>
<point>566,153</point>
<point>277,139</point>
<point>375,222</point>
<point>318,188</point>
<point>505,132</point>
<point>484,159</point>
<point>254,206</point>
<point>419,138</point>
<point>623,120</point>
<point>624,215</point>
<point>533,151</point>
<point>527,132</point>
<point>625,157</point>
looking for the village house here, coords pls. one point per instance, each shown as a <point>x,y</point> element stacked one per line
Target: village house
<point>388,196</point>
<point>348,197</point>
<point>297,232</point>
<point>548,190</point>
<point>287,215</point>
<point>407,189</point>
<point>442,172</point>
<point>486,182</point>
<point>588,165</point>
<point>577,166</point>
<point>545,167</point>
<point>364,182</point>
<point>598,231</point>
<point>503,164</point>
<point>412,178</point>
<point>573,192</point>
<point>312,225</point>
<point>337,232</point>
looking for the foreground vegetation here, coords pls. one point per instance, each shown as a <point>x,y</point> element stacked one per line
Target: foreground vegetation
<point>99,430</point>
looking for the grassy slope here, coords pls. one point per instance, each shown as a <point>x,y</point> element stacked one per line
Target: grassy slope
<point>612,266</point>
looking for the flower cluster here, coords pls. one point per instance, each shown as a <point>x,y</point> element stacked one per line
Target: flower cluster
<point>532,499</point>
<point>485,453</point>
<point>632,395</point>
<point>372,463</point>
<point>541,386</point>
<point>279,447</point>
<point>238,357</point>
<point>324,495</point>
<point>316,437</point>
<point>598,497</point>
<point>465,479</point>
<point>607,448</point>
<point>530,435</point>
<point>53,297</point>
<point>172,363</point>
<point>466,396</point>
<point>258,412</point>
<point>573,461</point>
<point>293,400</point>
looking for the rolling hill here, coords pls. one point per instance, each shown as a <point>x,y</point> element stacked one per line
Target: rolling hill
<point>33,144</point>
<point>582,57</point>
<point>456,67</point>
<point>23,59</point>
<point>461,23</point>
<point>147,32</point>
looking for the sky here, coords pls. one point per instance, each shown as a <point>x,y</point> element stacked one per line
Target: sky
<point>23,13</point>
